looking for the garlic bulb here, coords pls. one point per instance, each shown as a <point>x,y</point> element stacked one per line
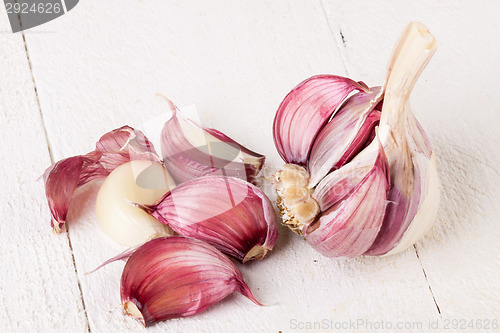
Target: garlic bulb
<point>112,150</point>
<point>139,181</point>
<point>177,277</point>
<point>348,193</point>
<point>233,215</point>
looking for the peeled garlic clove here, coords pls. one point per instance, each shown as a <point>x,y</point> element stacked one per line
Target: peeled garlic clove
<point>415,194</point>
<point>113,149</point>
<point>305,110</point>
<point>351,224</point>
<point>177,277</point>
<point>138,181</point>
<point>349,131</point>
<point>233,215</point>
<point>191,151</point>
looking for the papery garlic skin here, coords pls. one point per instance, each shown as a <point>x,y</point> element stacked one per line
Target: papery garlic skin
<point>191,151</point>
<point>112,150</point>
<point>138,181</point>
<point>304,112</point>
<point>416,186</point>
<point>352,222</point>
<point>177,277</point>
<point>345,135</point>
<point>349,204</point>
<point>231,214</point>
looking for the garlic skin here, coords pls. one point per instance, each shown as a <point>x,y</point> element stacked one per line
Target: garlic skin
<point>191,151</point>
<point>345,135</point>
<point>233,215</point>
<point>349,226</point>
<point>415,192</point>
<point>336,219</point>
<point>112,150</point>
<point>177,277</point>
<point>139,181</point>
<point>395,213</point>
<point>304,112</point>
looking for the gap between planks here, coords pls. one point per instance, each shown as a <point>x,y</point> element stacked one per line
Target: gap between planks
<point>427,280</point>
<point>52,162</point>
<point>340,44</point>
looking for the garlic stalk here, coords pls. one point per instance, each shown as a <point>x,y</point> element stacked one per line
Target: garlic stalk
<point>231,214</point>
<point>135,181</point>
<point>191,151</point>
<point>112,150</point>
<point>177,277</point>
<point>332,194</point>
<point>414,196</point>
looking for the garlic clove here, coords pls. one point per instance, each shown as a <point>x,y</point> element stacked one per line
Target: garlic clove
<point>338,184</point>
<point>139,181</point>
<point>349,131</point>
<point>113,149</point>
<point>191,151</point>
<point>350,225</point>
<point>231,214</point>
<point>305,110</point>
<point>177,277</point>
<point>415,194</point>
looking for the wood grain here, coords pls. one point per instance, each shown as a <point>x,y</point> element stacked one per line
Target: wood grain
<point>102,65</point>
<point>38,283</point>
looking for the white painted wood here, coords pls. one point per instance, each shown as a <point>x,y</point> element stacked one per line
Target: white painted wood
<point>101,66</point>
<point>235,62</point>
<point>38,283</point>
<point>456,101</point>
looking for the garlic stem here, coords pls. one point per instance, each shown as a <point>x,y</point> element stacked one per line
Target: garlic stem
<point>411,54</point>
<point>414,196</point>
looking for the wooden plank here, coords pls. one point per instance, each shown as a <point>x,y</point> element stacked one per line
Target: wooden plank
<point>455,102</point>
<point>235,61</point>
<point>38,284</point>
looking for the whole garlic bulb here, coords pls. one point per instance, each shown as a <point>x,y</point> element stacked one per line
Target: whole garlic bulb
<point>349,188</point>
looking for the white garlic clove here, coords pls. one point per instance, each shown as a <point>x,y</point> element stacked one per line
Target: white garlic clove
<point>112,150</point>
<point>177,277</point>
<point>191,151</point>
<point>138,181</point>
<point>231,214</point>
<point>305,110</point>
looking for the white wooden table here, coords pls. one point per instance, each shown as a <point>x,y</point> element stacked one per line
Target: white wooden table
<point>64,84</point>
